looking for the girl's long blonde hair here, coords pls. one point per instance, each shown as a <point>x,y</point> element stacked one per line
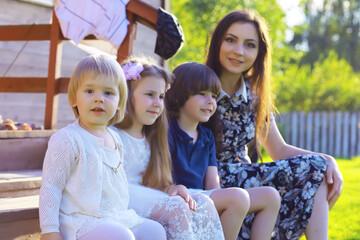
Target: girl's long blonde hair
<point>259,74</point>
<point>158,173</point>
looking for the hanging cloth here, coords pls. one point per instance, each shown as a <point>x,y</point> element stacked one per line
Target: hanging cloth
<point>106,19</point>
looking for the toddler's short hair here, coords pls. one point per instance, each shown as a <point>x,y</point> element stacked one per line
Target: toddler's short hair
<point>99,66</point>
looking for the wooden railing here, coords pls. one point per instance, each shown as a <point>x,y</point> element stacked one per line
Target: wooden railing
<point>53,84</point>
<point>334,133</point>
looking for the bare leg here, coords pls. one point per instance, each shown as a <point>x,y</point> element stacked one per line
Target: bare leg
<point>149,230</point>
<point>232,205</point>
<point>266,202</point>
<point>318,225</point>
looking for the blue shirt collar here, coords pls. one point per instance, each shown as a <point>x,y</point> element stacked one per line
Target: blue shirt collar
<point>183,136</point>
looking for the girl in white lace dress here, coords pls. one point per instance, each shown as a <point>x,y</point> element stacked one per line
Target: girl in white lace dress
<point>147,160</point>
<point>84,193</point>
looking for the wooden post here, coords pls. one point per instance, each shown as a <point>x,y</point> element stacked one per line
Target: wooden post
<point>54,71</point>
<point>126,48</point>
<point>324,132</point>
<point>309,137</point>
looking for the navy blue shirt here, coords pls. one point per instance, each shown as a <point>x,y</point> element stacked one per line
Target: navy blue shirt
<point>190,161</point>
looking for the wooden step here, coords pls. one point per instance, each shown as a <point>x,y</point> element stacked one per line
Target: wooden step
<point>19,218</point>
<point>23,150</point>
<point>20,183</point>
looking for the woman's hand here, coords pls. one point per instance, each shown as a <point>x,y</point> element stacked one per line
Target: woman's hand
<point>334,180</point>
<point>182,191</point>
<point>51,236</point>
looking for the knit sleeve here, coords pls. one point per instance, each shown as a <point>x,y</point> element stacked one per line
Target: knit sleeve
<point>59,159</point>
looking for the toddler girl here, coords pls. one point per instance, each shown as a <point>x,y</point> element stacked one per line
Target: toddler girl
<point>84,193</point>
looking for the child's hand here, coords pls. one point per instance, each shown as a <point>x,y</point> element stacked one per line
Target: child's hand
<point>51,236</point>
<point>182,191</point>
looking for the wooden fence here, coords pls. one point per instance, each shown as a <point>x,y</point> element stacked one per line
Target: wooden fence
<point>334,133</point>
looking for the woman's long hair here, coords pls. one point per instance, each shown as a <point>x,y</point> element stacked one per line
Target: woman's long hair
<point>259,75</point>
<point>158,172</point>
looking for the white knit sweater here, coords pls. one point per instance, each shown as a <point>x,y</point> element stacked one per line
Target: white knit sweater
<point>73,179</point>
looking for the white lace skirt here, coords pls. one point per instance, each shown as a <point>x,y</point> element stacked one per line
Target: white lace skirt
<point>175,215</point>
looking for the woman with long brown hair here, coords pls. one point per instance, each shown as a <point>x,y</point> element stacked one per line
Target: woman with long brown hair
<point>309,183</point>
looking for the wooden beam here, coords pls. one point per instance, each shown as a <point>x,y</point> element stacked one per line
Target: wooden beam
<point>23,84</point>
<point>62,85</point>
<point>126,47</point>
<point>33,32</point>
<point>25,32</point>
<point>144,12</point>
<point>31,84</point>
<point>54,68</point>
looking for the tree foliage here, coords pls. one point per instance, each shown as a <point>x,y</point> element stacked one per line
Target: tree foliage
<point>335,25</point>
<point>329,85</point>
<point>318,79</point>
<point>198,19</point>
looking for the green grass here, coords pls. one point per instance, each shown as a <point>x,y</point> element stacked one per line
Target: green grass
<point>344,222</point>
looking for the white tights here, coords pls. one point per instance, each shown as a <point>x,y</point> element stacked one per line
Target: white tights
<point>147,230</point>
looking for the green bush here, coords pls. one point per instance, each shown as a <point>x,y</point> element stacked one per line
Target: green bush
<point>330,85</point>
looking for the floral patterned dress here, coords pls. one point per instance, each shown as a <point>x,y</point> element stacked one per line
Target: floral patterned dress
<point>297,179</point>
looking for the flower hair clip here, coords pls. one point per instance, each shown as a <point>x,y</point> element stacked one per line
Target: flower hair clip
<point>132,70</point>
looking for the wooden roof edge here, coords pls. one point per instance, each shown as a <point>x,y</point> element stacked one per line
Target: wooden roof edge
<point>144,12</point>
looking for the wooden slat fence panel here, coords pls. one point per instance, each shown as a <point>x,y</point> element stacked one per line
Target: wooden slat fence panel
<point>335,133</point>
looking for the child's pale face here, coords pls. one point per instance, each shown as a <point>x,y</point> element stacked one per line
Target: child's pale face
<point>97,100</point>
<point>148,98</point>
<point>199,107</point>
<point>239,48</point>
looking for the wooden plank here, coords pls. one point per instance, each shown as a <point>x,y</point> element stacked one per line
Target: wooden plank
<point>338,134</point>
<point>309,122</point>
<point>145,13</point>
<point>345,134</point>
<point>324,132</point>
<point>353,133</point>
<point>126,47</point>
<point>301,130</point>
<point>31,84</point>
<point>25,134</point>
<point>22,153</point>
<point>332,134</point>
<point>294,132</point>
<point>23,84</point>
<point>316,142</point>
<point>34,32</point>
<point>287,127</point>
<point>25,32</point>
<point>54,71</point>
<point>358,134</point>
<point>62,85</point>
